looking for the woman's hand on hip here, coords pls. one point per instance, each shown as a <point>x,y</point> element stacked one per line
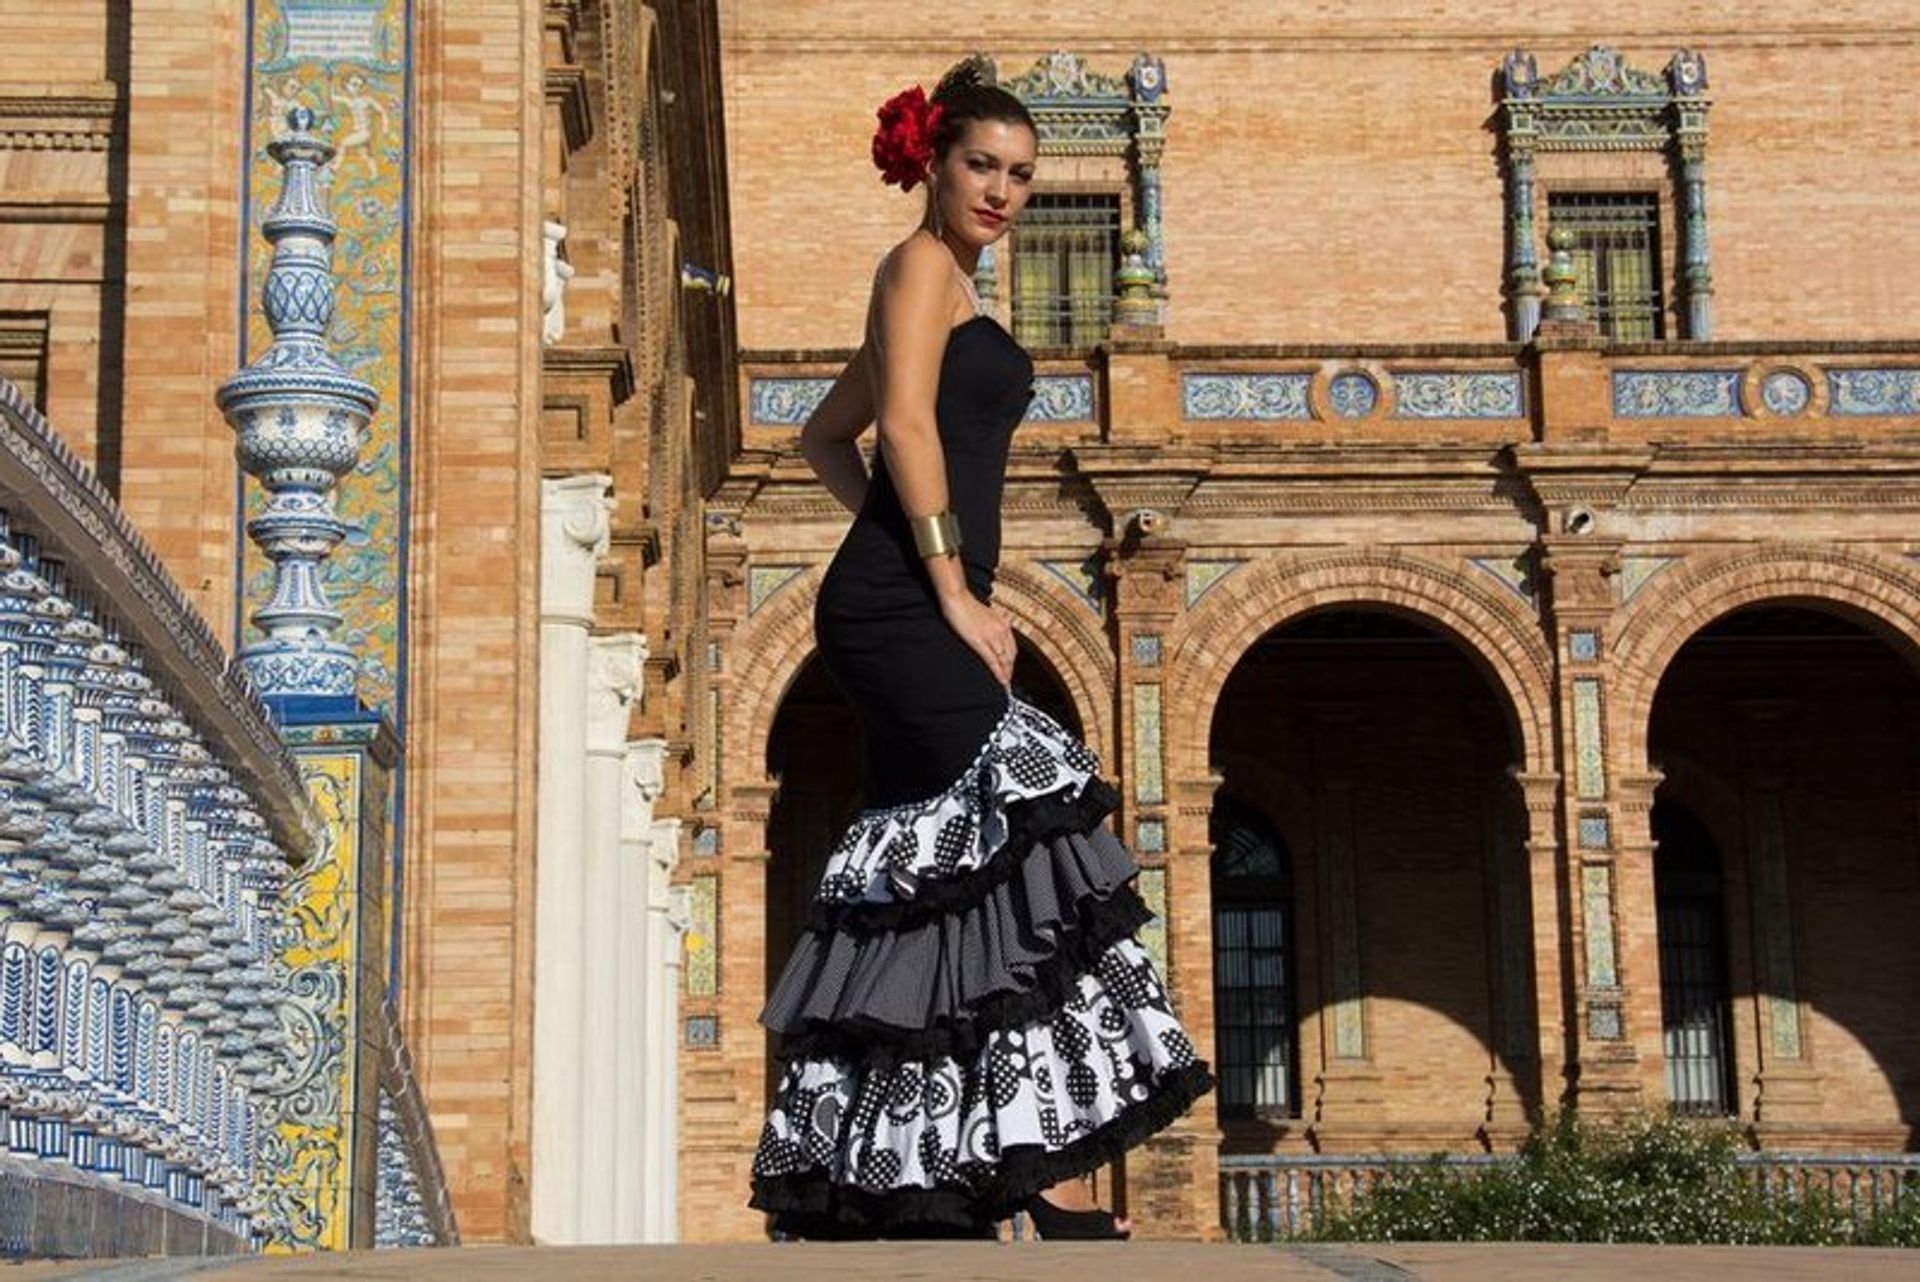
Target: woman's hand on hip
<point>983,628</point>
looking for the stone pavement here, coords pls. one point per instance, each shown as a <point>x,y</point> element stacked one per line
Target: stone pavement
<point>1022,1262</point>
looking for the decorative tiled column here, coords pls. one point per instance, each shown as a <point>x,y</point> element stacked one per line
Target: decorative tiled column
<point>1616,1012</point>
<point>337,947</point>
<point>574,529</point>
<point>345,63</point>
<point>300,418</point>
<point>1147,77</point>
<point>1524,290</point>
<point>1687,77</point>
<point>1169,1179</point>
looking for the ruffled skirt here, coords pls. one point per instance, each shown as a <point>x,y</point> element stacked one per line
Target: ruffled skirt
<point>967,1017</point>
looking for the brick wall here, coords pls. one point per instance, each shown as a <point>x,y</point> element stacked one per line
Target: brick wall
<point>1312,153</point>
<point>474,660</point>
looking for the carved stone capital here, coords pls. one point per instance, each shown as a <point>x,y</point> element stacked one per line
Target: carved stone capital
<point>576,522</point>
<point>646,767</point>
<point>614,667</point>
<point>1147,576</point>
<point>553,289</point>
<point>664,857</point>
<point>644,775</point>
<point>679,910</point>
<point>1636,788</point>
<point>1579,571</point>
<point>1539,790</point>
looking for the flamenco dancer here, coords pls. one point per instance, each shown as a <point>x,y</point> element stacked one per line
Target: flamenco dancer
<point>968,1024</point>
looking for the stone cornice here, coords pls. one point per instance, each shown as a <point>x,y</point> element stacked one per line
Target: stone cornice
<point>58,117</point>
<point>566,87</point>
<point>90,101</point>
<point>52,211</point>
<point>608,362</point>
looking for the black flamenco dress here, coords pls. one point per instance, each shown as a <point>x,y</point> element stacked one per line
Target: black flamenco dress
<point>967,1017</point>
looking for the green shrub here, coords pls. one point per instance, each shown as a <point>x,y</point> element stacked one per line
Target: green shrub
<point>1635,1179</point>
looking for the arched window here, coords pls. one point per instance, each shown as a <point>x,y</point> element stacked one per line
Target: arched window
<point>1690,913</point>
<point>1254,1042</point>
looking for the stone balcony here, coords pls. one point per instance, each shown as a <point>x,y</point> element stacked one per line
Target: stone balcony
<point>156,1044</point>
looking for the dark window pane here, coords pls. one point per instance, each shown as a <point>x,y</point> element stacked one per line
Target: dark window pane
<point>1253,1007</point>
<point>1694,1000</point>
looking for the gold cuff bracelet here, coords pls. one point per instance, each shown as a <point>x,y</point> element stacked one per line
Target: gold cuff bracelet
<point>937,534</point>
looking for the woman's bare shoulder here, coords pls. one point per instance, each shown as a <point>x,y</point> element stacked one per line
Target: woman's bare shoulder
<point>918,263</point>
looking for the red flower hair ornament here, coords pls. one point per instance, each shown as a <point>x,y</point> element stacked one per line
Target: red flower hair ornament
<point>903,144</point>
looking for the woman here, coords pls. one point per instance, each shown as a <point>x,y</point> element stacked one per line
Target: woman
<point>968,1023</point>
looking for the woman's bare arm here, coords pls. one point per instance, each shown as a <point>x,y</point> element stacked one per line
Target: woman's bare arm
<point>829,439</point>
<point>915,306</point>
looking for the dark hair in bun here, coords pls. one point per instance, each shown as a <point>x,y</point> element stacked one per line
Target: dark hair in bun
<point>968,92</point>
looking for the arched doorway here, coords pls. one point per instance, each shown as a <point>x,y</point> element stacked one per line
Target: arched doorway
<point>1786,731</point>
<point>1367,758</point>
<point>816,751</point>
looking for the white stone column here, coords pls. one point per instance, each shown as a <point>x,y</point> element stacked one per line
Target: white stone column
<point>667,920</point>
<point>574,525</point>
<point>613,684</point>
<point>645,779</point>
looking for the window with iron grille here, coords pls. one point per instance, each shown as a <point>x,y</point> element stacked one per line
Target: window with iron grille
<point>1064,253</point>
<point>1616,239</point>
<point>1254,1042</point>
<point>1689,912</point>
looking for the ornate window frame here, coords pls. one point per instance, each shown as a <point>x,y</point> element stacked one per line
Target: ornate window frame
<point>1599,103</point>
<point>1083,114</point>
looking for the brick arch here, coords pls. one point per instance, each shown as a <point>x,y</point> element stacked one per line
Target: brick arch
<point>1705,792</point>
<point>1879,592</point>
<point>765,654</point>
<point>1070,638</point>
<point>768,650</point>
<point>1503,639</point>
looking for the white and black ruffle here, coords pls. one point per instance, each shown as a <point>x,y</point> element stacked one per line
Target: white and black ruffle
<point>967,1018</point>
<point>888,853</point>
<point>937,984</point>
<point>852,1146</point>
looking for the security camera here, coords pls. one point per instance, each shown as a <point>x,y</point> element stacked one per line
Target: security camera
<point>1579,521</point>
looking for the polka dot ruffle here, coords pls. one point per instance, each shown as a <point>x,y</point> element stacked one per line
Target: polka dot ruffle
<point>887,853</point>
<point>889,1126</point>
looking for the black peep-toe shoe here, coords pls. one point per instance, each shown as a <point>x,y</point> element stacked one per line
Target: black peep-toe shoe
<point>1057,1223</point>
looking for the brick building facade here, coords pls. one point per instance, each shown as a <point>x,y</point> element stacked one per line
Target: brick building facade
<point>1504,714</point>
<point>1410,631</point>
